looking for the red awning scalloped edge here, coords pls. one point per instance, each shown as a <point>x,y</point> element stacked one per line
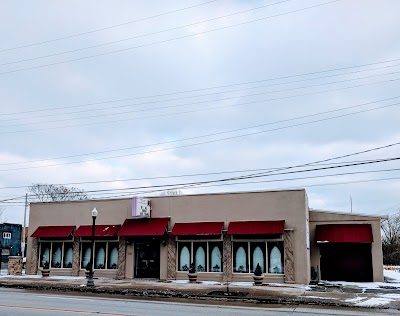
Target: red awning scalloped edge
<point>197,228</point>
<point>257,228</point>
<point>53,231</point>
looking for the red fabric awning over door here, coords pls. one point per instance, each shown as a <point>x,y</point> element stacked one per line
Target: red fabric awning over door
<point>144,227</point>
<point>199,228</point>
<point>345,233</point>
<point>256,228</point>
<point>53,231</point>
<point>99,231</point>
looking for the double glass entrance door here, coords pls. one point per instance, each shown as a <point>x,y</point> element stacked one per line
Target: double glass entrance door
<point>147,259</point>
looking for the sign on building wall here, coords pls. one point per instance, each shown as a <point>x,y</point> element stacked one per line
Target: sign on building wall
<point>140,207</point>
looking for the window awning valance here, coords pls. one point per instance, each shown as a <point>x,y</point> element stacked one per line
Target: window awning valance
<point>197,228</point>
<point>144,227</point>
<point>349,233</point>
<point>256,228</point>
<point>53,231</point>
<point>99,231</point>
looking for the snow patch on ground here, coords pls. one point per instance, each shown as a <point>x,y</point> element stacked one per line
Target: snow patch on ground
<point>392,276</point>
<point>375,302</point>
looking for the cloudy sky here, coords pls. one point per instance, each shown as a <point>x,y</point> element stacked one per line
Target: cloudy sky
<point>106,95</point>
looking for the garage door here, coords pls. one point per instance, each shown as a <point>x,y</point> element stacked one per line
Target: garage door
<point>346,262</point>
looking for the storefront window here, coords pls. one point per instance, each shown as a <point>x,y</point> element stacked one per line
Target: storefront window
<point>56,255</point>
<point>206,256</point>
<point>105,255</point>
<point>257,250</point>
<point>246,256</point>
<point>200,256</point>
<point>112,256</point>
<point>275,254</point>
<point>67,255</point>
<point>86,254</point>
<point>45,253</point>
<point>100,255</point>
<point>215,257</point>
<point>240,264</point>
<point>184,256</point>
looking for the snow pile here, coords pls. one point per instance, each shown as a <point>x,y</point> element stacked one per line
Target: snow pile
<point>377,301</point>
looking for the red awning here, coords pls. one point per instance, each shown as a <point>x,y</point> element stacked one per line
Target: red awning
<point>200,228</point>
<point>345,233</point>
<point>144,227</point>
<point>99,231</point>
<point>256,228</point>
<point>53,231</point>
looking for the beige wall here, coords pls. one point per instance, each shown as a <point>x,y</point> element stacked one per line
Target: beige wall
<point>290,206</point>
<point>321,217</point>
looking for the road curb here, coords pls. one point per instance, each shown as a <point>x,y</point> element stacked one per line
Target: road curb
<point>168,293</point>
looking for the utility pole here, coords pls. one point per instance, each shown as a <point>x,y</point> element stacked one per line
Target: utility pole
<point>23,228</point>
<point>351,205</point>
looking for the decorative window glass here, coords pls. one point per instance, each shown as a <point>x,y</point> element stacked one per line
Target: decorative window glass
<point>6,235</point>
<point>206,256</point>
<point>240,262</point>
<point>67,255</point>
<point>184,256</point>
<point>44,253</point>
<point>105,255</point>
<point>112,256</point>
<point>268,254</point>
<point>215,257</point>
<point>100,255</point>
<point>275,254</point>
<point>200,256</point>
<point>56,255</point>
<point>257,251</point>
<point>86,254</point>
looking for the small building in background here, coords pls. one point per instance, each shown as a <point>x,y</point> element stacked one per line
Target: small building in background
<point>10,240</point>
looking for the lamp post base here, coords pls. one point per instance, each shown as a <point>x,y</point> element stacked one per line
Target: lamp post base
<point>90,281</point>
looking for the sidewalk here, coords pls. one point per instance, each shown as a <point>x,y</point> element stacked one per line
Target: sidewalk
<point>346,295</point>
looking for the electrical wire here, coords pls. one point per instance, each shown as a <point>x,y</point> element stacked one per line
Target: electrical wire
<point>195,111</point>
<point>106,28</point>
<point>143,35</point>
<point>186,104</point>
<point>207,142</point>
<point>168,40</point>
<point>53,108</point>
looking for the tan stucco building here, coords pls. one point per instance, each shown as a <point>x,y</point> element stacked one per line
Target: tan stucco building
<point>225,235</point>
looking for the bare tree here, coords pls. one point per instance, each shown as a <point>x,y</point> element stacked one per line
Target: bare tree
<point>391,239</point>
<point>51,192</point>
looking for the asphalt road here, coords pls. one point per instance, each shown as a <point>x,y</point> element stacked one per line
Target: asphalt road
<point>23,302</point>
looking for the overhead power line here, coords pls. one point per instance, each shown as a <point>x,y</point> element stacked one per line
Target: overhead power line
<point>53,108</point>
<point>144,35</point>
<point>195,111</point>
<point>188,175</point>
<point>107,27</point>
<point>206,142</point>
<point>201,136</point>
<point>191,103</point>
<point>250,176</point>
<point>167,40</point>
<point>270,170</point>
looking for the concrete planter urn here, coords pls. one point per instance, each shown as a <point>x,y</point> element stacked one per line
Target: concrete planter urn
<point>192,275</point>
<point>45,270</point>
<point>258,276</point>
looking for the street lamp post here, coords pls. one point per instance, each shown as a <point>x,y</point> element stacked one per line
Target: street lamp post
<point>90,281</point>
